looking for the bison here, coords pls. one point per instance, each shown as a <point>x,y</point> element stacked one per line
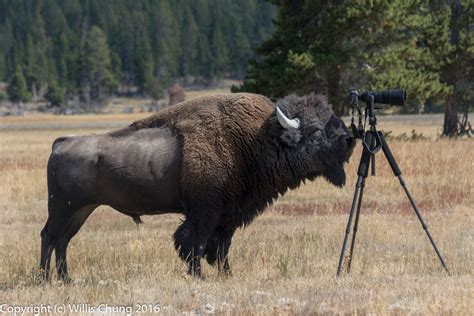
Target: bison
<point>217,160</point>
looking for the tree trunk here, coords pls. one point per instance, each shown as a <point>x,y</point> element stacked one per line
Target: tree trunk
<point>334,90</point>
<point>450,126</point>
<point>33,90</point>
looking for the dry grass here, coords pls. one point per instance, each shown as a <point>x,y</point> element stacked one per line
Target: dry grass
<point>283,263</point>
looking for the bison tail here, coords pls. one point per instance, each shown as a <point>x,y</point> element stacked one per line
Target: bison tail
<point>57,141</point>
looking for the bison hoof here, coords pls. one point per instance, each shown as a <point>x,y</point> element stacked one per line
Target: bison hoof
<point>189,276</point>
<point>225,273</point>
<point>66,280</point>
<point>40,276</point>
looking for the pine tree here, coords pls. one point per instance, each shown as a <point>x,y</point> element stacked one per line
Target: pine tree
<point>219,53</point>
<point>189,44</point>
<point>2,66</point>
<point>144,63</point>
<point>166,39</point>
<point>204,58</point>
<point>458,72</point>
<point>96,75</point>
<point>327,47</point>
<point>154,89</point>
<point>63,59</point>
<point>203,39</point>
<point>54,95</point>
<point>17,90</point>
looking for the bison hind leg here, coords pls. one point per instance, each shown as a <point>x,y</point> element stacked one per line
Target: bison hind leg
<point>70,229</point>
<point>47,246</point>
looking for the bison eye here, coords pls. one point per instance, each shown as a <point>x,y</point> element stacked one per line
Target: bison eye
<point>314,127</point>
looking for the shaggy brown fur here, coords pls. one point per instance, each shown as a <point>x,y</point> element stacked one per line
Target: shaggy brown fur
<point>215,131</point>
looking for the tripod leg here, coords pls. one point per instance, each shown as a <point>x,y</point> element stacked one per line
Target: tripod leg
<point>362,173</point>
<point>423,224</point>
<point>396,170</point>
<point>356,224</point>
<point>363,170</point>
<point>348,228</point>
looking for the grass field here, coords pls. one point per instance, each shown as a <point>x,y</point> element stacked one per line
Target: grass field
<point>285,262</point>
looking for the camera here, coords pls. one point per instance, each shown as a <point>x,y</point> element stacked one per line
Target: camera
<point>392,97</point>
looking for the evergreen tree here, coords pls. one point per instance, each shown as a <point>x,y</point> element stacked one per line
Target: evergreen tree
<point>17,90</point>
<point>144,63</point>
<point>219,51</point>
<point>166,38</point>
<point>3,69</point>
<point>327,47</point>
<point>458,71</point>
<point>189,44</point>
<point>241,52</point>
<point>162,41</point>
<point>154,89</point>
<point>204,58</point>
<point>54,95</point>
<point>64,59</point>
<point>96,74</point>
<point>412,56</point>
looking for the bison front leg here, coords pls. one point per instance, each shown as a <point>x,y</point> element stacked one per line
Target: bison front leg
<point>190,240</point>
<point>217,249</point>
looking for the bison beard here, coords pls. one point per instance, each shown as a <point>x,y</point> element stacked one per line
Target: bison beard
<point>219,161</point>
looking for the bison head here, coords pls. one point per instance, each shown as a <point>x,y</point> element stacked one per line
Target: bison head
<point>316,141</point>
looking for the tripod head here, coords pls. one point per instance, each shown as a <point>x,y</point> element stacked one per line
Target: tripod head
<point>371,139</point>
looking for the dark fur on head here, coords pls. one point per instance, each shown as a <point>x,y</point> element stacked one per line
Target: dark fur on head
<point>318,146</point>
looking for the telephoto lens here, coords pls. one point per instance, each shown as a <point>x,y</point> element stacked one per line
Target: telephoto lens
<point>392,97</point>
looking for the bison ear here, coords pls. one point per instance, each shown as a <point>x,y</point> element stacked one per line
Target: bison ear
<point>291,137</point>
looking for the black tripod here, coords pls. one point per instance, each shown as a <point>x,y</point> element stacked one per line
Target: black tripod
<point>373,141</point>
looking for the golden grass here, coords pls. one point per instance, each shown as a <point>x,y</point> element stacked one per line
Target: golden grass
<point>282,263</point>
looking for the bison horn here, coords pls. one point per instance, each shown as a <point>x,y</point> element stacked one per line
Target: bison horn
<point>286,122</point>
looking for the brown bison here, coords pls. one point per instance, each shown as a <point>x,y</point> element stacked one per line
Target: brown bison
<point>218,160</point>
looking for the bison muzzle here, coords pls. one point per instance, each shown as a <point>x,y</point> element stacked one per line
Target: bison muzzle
<point>218,160</point>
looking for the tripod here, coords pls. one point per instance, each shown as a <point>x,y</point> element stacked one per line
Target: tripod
<point>373,141</point>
